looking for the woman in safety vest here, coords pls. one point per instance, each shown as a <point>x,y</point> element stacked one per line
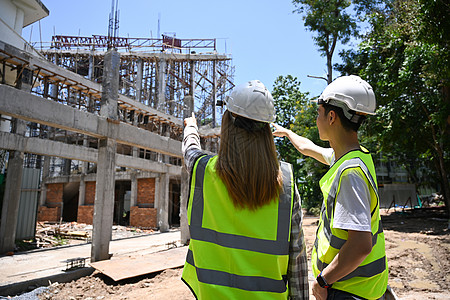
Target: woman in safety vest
<point>348,258</point>
<point>244,213</point>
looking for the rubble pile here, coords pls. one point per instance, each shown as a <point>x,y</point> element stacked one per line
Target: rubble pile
<point>50,234</point>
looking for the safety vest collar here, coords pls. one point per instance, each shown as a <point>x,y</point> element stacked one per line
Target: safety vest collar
<point>280,246</point>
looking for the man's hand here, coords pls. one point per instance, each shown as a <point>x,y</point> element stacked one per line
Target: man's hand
<point>190,121</point>
<point>319,292</point>
<point>280,131</point>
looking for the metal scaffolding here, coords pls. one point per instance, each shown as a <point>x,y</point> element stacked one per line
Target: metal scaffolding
<point>160,80</point>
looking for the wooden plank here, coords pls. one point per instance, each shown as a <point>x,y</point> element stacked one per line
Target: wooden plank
<point>129,267</point>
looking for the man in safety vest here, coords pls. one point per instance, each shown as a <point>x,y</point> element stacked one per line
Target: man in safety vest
<point>348,258</point>
<point>244,211</point>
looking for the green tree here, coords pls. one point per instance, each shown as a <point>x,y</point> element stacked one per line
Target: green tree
<point>332,21</point>
<point>294,111</point>
<point>405,58</point>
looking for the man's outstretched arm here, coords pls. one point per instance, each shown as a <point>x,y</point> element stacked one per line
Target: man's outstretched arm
<point>303,145</point>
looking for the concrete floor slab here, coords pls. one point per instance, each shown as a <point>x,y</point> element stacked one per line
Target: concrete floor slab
<point>37,267</point>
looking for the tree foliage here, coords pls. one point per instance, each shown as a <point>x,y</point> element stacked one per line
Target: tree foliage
<point>405,58</point>
<point>294,111</point>
<point>333,21</point>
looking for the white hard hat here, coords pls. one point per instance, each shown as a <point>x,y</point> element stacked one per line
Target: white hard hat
<point>252,100</point>
<point>351,93</point>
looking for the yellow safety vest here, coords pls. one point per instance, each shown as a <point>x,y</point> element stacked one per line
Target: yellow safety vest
<point>369,279</point>
<point>236,253</point>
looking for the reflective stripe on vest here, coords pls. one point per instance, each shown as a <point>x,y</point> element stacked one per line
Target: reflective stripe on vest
<point>248,283</point>
<point>278,247</point>
<point>369,270</point>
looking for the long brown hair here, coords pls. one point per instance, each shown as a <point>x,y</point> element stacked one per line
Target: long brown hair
<point>248,164</point>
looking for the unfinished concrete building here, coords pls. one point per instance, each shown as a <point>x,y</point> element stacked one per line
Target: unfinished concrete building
<point>98,121</point>
<point>163,81</point>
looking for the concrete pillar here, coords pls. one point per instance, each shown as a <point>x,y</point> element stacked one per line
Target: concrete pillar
<point>18,22</point>
<point>184,193</point>
<point>85,164</point>
<point>214,93</point>
<point>82,191</point>
<point>134,189</point>
<point>45,174</point>
<point>139,77</point>
<point>91,65</point>
<point>11,197</point>
<point>67,166</point>
<point>163,203</point>
<point>104,200</point>
<point>192,79</point>
<point>106,164</point>
<point>188,106</point>
<point>111,65</point>
<point>172,82</point>
<point>161,85</point>
<point>208,145</point>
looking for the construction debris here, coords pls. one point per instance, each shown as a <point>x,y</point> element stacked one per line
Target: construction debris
<point>75,263</point>
<point>50,234</point>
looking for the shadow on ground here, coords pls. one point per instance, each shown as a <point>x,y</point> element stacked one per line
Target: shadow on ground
<point>430,221</point>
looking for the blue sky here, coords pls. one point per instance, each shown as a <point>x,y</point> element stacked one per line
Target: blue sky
<point>264,37</point>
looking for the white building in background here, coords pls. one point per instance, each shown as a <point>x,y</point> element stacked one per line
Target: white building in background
<point>14,16</point>
<point>17,14</point>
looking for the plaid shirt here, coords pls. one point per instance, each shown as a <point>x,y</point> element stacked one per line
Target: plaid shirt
<point>298,262</point>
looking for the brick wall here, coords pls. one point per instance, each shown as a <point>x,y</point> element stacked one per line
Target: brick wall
<point>49,214</point>
<point>51,211</point>
<point>90,193</point>
<point>143,217</point>
<point>146,192</point>
<point>54,194</point>
<point>85,214</point>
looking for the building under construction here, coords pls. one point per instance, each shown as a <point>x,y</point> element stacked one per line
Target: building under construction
<point>91,127</point>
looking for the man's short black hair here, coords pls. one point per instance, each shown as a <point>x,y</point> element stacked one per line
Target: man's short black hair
<point>346,123</point>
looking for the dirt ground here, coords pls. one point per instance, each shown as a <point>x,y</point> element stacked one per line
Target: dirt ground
<point>417,245</point>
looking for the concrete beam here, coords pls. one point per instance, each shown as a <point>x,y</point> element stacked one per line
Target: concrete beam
<point>35,62</point>
<point>33,108</point>
<point>38,146</point>
<point>150,55</point>
<point>147,165</point>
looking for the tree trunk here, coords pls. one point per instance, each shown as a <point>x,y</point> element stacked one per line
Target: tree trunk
<point>330,69</point>
<point>444,180</point>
